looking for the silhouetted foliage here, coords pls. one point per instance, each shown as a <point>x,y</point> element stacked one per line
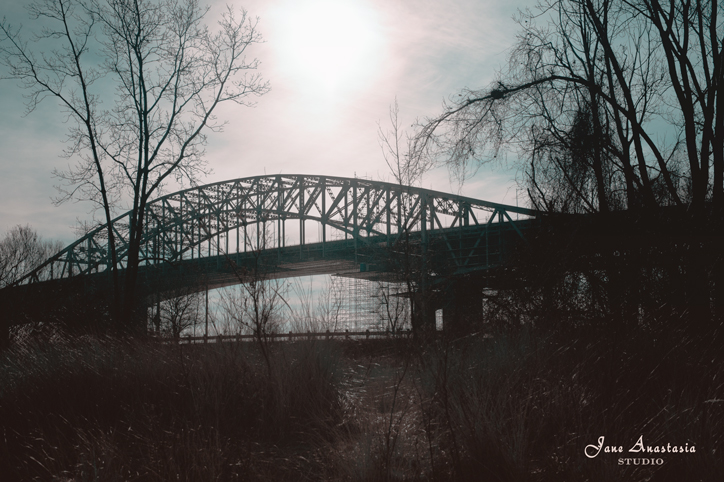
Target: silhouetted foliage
<point>21,251</point>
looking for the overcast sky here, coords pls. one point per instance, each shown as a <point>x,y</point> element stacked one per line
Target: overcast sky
<point>335,67</point>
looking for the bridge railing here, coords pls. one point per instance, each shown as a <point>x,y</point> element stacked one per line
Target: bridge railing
<point>310,335</point>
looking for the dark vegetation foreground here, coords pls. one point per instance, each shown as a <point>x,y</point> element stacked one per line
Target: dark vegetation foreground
<point>519,406</point>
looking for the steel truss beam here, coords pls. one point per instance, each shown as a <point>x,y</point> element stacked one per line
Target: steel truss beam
<point>270,212</point>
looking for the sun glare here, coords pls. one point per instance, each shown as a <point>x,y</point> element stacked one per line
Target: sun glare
<point>331,46</point>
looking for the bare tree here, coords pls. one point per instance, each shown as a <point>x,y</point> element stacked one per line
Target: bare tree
<point>178,313</point>
<point>692,36</point>
<point>330,304</point>
<point>408,259</point>
<point>254,305</point>
<point>645,80</point>
<point>406,168</point>
<point>310,313</point>
<point>166,73</point>
<point>611,105</point>
<point>394,307</point>
<point>21,251</point>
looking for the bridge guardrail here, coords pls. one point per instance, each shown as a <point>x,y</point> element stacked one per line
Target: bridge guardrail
<point>367,334</point>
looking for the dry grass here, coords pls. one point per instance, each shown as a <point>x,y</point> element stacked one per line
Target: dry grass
<point>108,409</point>
<point>521,407</point>
<point>517,407</point>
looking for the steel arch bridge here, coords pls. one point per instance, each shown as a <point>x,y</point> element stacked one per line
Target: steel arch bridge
<point>226,221</point>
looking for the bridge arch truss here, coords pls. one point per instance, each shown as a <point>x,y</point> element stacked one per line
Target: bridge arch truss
<point>277,211</point>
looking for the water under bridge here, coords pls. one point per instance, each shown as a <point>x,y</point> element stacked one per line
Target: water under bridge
<point>278,226</point>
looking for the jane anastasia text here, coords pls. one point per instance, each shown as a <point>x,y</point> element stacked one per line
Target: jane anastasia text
<point>592,451</point>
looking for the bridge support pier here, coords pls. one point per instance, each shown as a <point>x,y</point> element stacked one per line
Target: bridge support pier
<point>423,314</point>
<point>462,308</point>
